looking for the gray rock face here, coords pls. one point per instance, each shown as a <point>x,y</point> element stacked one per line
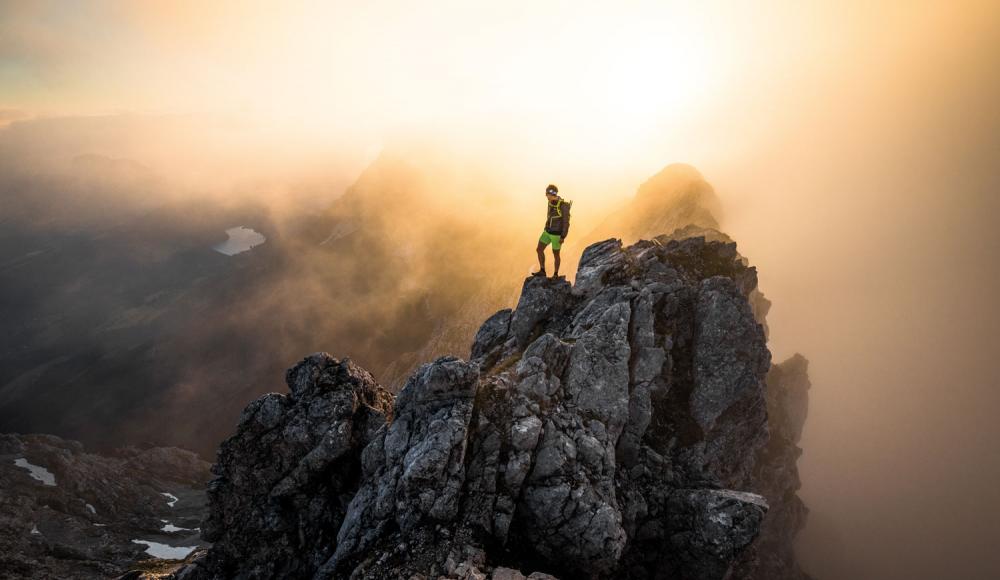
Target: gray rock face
<point>492,334</point>
<point>541,300</point>
<point>284,480</point>
<point>601,264</point>
<point>776,476</point>
<point>414,470</point>
<point>617,428</point>
<point>709,529</point>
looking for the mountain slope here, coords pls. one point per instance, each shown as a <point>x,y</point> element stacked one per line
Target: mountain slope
<point>68,513</point>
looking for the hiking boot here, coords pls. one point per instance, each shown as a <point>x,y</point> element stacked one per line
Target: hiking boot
<point>539,273</point>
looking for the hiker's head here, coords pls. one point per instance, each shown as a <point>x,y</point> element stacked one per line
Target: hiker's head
<point>552,192</point>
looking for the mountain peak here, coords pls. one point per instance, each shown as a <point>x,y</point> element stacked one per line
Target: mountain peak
<point>610,428</point>
<point>676,197</point>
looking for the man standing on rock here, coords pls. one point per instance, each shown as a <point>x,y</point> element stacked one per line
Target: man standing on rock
<point>556,229</point>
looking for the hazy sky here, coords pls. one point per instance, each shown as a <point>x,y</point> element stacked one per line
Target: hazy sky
<point>854,146</point>
<point>561,85</point>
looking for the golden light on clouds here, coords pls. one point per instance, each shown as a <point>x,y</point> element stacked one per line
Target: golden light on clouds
<point>566,88</point>
<point>593,73</point>
<point>594,95</point>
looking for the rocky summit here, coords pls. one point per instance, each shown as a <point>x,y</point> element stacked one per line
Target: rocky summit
<point>620,427</point>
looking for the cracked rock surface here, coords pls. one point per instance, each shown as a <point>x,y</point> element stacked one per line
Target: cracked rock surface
<point>284,480</point>
<point>613,428</point>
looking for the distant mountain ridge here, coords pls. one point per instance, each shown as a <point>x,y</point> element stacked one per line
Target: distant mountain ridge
<point>676,197</point>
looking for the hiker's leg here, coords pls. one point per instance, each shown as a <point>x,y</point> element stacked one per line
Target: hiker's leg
<point>555,253</point>
<point>540,250</point>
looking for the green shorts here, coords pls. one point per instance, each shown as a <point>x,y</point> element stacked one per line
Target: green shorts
<point>553,239</point>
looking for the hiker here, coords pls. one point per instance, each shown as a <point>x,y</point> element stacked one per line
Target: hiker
<point>556,228</point>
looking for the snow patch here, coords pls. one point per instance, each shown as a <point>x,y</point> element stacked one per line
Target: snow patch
<point>241,239</point>
<point>37,471</point>
<point>169,527</point>
<point>91,508</point>
<point>34,530</point>
<point>171,498</point>
<point>158,550</point>
<point>100,525</point>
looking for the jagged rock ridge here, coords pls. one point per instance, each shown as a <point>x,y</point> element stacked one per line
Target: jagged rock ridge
<point>776,476</point>
<point>616,428</point>
<point>284,480</point>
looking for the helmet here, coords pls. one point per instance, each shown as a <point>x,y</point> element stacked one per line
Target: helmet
<point>551,189</point>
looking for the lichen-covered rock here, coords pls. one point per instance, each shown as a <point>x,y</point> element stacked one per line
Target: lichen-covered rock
<point>617,428</point>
